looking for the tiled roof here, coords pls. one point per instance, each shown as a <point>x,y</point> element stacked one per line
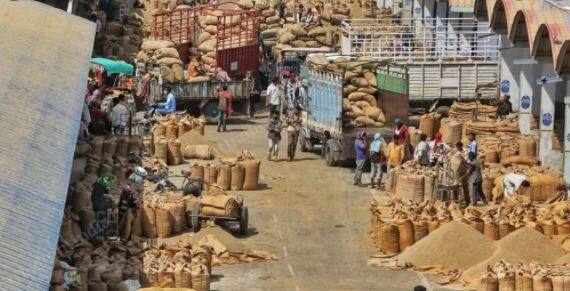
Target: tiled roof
<point>526,22</point>
<point>504,11</point>
<point>553,40</point>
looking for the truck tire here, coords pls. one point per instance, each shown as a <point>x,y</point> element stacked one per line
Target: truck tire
<point>331,156</point>
<point>302,144</point>
<point>211,111</point>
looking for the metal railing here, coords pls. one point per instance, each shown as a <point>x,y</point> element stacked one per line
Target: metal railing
<point>422,40</point>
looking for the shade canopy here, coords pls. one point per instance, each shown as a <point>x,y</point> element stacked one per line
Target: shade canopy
<point>113,67</point>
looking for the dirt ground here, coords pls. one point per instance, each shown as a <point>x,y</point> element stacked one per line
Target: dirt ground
<point>311,217</point>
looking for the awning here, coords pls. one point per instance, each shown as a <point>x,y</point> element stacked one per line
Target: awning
<point>114,67</point>
<point>45,65</point>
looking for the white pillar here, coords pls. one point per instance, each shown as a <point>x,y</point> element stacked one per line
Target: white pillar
<point>509,71</point>
<point>546,118</point>
<point>567,135</point>
<point>526,97</point>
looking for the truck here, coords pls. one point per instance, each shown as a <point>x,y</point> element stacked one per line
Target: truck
<point>322,112</point>
<point>202,97</point>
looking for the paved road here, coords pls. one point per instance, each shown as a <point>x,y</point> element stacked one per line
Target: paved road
<point>311,217</point>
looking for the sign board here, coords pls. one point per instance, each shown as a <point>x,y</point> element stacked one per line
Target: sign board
<point>505,87</point>
<point>547,119</point>
<point>526,102</point>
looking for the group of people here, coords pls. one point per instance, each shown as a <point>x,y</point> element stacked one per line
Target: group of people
<point>426,153</point>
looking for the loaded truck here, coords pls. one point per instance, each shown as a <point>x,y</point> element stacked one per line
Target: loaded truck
<point>323,111</point>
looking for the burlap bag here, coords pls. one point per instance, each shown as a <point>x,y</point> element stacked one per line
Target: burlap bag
<point>410,187</point>
<point>491,229</point>
<point>251,178</point>
<point>406,233</point>
<point>541,282</point>
<point>163,225</point>
<point>177,216</point>
<point>210,174</point>
<point>197,171</point>
<point>420,230</point>
<point>182,279</point>
<point>389,239</point>
<point>224,177</point>
<point>427,122</point>
<point>174,155</point>
<point>149,222</point>
<point>560,282</point>
<point>161,149</point>
<point>523,282</point>
<point>237,176</point>
<point>202,152</point>
<point>97,146</point>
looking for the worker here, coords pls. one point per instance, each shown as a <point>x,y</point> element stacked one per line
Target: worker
<point>472,144</point>
<point>505,107</point>
<point>222,75</point>
<point>361,149</point>
<point>476,179</point>
<point>395,155</point>
<point>194,68</point>
<point>225,107</point>
<point>292,87</point>
<point>169,106</point>
<point>120,115</point>
<point>99,194</point>
<point>273,100</point>
<point>274,135</point>
<point>293,121</point>
<point>459,167</point>
<point>402,131</point>
<point>438,150</point>
<point>421,153</point>
<point>377,159</point>
<point>128,205</point>
<point>512,183</point>
<point>136,179</point>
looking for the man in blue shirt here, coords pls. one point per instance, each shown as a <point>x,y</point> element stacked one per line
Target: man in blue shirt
<point>360,147</point>
<point>169,106</point>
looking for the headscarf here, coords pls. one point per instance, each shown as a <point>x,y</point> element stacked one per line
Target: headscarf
<point>398,121</point>
<point>438,137</point>
<point>106,180</point>
<point>375,145</point>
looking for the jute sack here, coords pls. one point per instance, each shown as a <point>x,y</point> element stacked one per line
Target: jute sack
<point>200,278</point>
<point>477,224</point>
<point>207,46</point>
<point>152,45</point>
<point>174,154</point>
<point>251,178</point>
<point>167,74</point>
<point>562,225</point>
<point>527,147</point>
<point>433,225</point>
<point>223,205</point>
<point>97,146</point>
<point>389,239</point>
<point>541,282</point>
<point>147,145</point>
<point>505,228</point>
<point>410,187</point>
<point>491,157</point>
<point>168,62</point>
<point>210,174</point>
<point>542,187</point>
<point>560,282</point>
<point>197,171</point>
<point>135,144</point>
<point>87,218</point>
<point>177,216</point>
<point>167,52</point>
<point>149,222</point>
<point>427,123</point>
<point>506,282</point>
<point>521,160</point>
<point>202,152</point>
<point>224,177</point>
<point>523,282</point>
<point>406,233</point>
<point>420,230</point>
<point>161,149</point>
<point>491,229</point>
<point>163,225</point>
<point>178,71</point>
<point>110,146</point>
<point>182,279</point>
<point>452,132</point>
<point>137,226</point>
<point>237,175</point>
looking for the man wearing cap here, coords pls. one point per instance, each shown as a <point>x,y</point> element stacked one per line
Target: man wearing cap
<point>99,193</point>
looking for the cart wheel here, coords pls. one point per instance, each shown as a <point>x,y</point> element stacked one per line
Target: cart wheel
<point>243,221</point>
<point>195,219</point>
<point>211,112</point>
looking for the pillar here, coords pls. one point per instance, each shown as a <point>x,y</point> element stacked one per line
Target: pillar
<point>509,83</point>
<point>546,117</point>
<point>567,135</point>
<point>527,95</point>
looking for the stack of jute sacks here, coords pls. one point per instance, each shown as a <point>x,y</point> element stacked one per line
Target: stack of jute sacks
<point>412,181</point>
<point>400,223</point>
<point>359,101</point>
<point>505,275</point>
<point>178,266</point>
<point>166,134</point>
<point>165,54</point>
<point>465,110</point>
<point>120,38</point>
<point>236,174</point>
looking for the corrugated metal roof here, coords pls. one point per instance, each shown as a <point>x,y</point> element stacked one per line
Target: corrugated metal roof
<point>504,11</point>
<point>553,39</point>
<point>526,22</point>
<point>44,62</point>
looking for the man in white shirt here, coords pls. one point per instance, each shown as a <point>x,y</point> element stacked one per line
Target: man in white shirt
<point>513,182</point>
<point>273,100</point>
<point>421,154</point>
<point>119,115</point>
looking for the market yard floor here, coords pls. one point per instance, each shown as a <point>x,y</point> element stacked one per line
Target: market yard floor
<point>311,217</point>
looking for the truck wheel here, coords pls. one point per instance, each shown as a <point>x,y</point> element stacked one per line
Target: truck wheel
<point>243,221</point>
<point>330,155</point>
<point>211,111</point>
<point>303,144</point>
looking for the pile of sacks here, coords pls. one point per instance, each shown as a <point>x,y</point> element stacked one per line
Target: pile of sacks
<point>236,174</point>
<point>162,215</point>
<point>166,134</point>
<point>177,266</point>
<point>412,181</point>
<point>359,102</point>
<point>120,39</point>
<point>297,36</point>
<point>506,276</point>
<point>269,22</point>
<point>464,111</point>
<point>400,223</point>
<point>165,54</point>
<point>109,266</point>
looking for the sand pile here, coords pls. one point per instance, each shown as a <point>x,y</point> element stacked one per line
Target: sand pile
<point>454,245</point>
<point>524,245</point>
<point>233,244</point>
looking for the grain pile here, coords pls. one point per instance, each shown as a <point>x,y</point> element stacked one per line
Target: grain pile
<point>165,54</point>
<point>359,103</point>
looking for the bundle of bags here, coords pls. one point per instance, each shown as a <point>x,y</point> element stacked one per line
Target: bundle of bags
<point>120,39</point>
<point>545,183</point>
<point>163,215</point>
<point>359,101</point>
<point>234,174</point>
<point>412,181</point>
<point>166,137</point>
<point>165,54</point>
<point>464,110</point>
<point>506,276</point>
<point>177,266</point>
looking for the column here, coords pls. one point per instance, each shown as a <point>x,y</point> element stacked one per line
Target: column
<point>510,72</point>
<point>567,136</point>
<point>546,118</point>
<point>526,97</point>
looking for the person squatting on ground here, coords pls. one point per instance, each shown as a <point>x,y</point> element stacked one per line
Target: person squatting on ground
<point>274,134</point>
<point>293,121</point>
<point>377,159</point>
<point>361,149</point>
<point>225,107</point>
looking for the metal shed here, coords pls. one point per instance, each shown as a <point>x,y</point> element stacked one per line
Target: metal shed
<point>44,65</point>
